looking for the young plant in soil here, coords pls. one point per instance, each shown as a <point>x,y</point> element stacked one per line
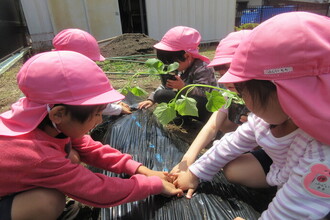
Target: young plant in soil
<point>155,67</point>
<point>181,103</point>
<point>185,105</point>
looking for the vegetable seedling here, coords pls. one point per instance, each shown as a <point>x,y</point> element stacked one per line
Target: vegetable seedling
<point>186,105</point>
<point>182,103</point>
<point>155,67</point>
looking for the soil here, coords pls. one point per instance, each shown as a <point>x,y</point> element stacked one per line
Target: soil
<point>9,91</point>
<point>127,45</point>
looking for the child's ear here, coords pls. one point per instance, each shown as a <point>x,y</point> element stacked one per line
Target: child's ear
<point>188,57</point>
<point>57,113</point>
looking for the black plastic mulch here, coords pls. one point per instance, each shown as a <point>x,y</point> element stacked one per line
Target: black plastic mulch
<point>140,135</point>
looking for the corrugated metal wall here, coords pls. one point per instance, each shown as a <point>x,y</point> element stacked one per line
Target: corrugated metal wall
<point>214,19</point>
<point>38,22</point>
<point>101,18</point>
<point>45,18</point>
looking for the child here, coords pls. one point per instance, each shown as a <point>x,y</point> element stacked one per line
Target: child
<point>219,120</point>
<point>65,93</point>
<point>73,39</point>
<point>80,41</point>
<point>282,71</point>
<point>180,44</point>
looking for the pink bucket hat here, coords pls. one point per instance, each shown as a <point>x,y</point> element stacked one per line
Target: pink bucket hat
<point>227,47</point>
<point>292,50</point>
<point>56,77</point>
<point>182,38</point>
<point>79,41</point>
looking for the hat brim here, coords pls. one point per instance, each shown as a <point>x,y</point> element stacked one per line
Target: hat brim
<point>104,98</point>
<point>162,46</point>
<point>101,58</point>
<point>25,115</point>
<point>220,61</point>
<point>230,78</point>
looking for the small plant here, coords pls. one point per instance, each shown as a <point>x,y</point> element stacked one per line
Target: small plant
<point>166,112</point>
<point>158,67</point>
<point>155,67</point>
<point>184,105</point>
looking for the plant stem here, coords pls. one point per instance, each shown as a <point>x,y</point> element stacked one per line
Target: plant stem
<point>197,85</point>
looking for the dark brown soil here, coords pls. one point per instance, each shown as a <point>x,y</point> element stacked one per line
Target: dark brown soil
<point>127,45</point>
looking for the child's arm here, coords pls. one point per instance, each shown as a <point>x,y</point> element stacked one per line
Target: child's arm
<point>148,172</point>
<point>108,158</point>
<point>94,189</point>
<point>213,160</point>
<point>229,147</point>
<point>103,156</point>
<point>204,137</point>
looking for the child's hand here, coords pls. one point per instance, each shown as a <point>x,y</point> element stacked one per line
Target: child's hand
<point>186,181</point>
<point>148,172</point>
<point>175,84</point>
<point>180,167</point>
<point>243,118</point>
<point>239,218</point>
<point>163,175</point>
<point>125,109</point>
<point>123,104</point>
<point>145,104</point>
<point>74,156</point>
<point>170,190</point>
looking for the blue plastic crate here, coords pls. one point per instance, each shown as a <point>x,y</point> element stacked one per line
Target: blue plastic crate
<point>251,15</point>
<point>260,14</point>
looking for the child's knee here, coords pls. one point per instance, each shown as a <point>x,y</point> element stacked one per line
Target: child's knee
<point>231,173</point>
<point>38,203</point>
<point>51,201</point>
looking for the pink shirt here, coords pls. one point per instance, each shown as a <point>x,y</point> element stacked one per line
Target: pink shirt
<point>37,160</point>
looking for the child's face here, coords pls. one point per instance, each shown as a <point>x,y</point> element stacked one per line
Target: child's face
<point>75,129</point>
<point>221,70</point>
<point>270,112</point>
<point>183,65</point>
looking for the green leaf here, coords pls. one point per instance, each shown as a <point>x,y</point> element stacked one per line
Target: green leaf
<point>123,91</point>
<point>155,65</point>
<point>165,113</point>
<point>215,101</point>
<point>172,67</point>
<point>186,106</point>
<point>138,91</point>
<point>232,97</point>
<point>153,71</point>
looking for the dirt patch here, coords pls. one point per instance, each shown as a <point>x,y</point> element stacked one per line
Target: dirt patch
<point>187,133</point>
<point>9,92</point>
<point>127,45</point>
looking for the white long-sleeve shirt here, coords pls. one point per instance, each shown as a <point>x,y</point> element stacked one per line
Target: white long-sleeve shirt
<point>292,155</point>
<point>112,109</point>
